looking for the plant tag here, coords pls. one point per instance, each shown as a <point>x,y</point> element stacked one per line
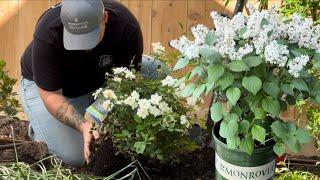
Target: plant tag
<point>95,112</point>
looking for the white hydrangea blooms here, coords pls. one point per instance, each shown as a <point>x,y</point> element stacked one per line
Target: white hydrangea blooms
<point>143,112</point>
<point>157,48</point>
<point>124,72</point>
<point>155,99</point>
<point>117,79</point>
<point>259,32</point>
<point>169,81</point>
<point>164,107</point>
<point>131,101</point>
<point>276,54</point>
<point>109,94</point>
<point>300,30</point>
<point>191,48</point>
<point>200,32</point>
<point>297,64</point>
<point>155,111</point>
<point>135,95</point>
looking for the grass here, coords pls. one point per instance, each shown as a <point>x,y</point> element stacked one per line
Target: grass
<point>284,173</point>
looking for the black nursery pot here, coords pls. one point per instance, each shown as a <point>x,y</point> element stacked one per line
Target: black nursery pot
<point>237,165</point>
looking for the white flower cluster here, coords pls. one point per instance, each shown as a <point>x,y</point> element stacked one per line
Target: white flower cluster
<point>191,48</point>
<point>169,81</point>
<point>297,64</point>
<point>259,33</point>
<point>157,48</point>
<point>123,72</point>
<point>200,32</point>
<point>110,98</point>
<point>276,54</point>
<point>154,106</point>
<point>301,30</point>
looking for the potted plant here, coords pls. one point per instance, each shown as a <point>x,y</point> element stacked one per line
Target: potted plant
<point>144,116</point>
<point>256,66</point>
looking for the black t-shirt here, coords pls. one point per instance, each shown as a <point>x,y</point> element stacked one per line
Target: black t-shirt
<point>52,67</point>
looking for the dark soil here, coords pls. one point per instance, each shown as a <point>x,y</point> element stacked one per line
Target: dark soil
<point>27,150</point>
<point>195,165</point>
<point>20,128</point>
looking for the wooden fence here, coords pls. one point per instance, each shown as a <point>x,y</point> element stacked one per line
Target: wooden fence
<point>161,20</point>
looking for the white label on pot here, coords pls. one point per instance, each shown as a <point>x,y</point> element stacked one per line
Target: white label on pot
<point>233,172</point>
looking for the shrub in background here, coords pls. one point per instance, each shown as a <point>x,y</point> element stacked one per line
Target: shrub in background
<point>8,103</point>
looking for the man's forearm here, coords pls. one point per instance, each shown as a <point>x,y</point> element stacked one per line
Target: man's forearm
<point>69,116</point>
<point>61,109</point>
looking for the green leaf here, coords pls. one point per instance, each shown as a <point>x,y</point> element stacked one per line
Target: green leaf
<point>258,133</point>
<point>244,126</point>
<point>228,128</point>
<point>188,90</point>
<point>271,88</point>
<point>303,136</point>
<point>287,89</point>
<point>223,131</point>
<point>258,112</point>
<point>233,95</point>
<point>215,71</point>
<point>137,119</point>
<point>140,147</point>
<point>195,71</point>
<point>297,52</point>
<point>264,21</point>
<point>317,65</point>
<point>247,144</point>
<point>292,143</point>
<point>181,63</point>
<point>211,38</point>
<point>199,90</point>
<point>292,129</point>
<point>238,66</point>
<point>209,86</point>
<point>300,85</point>
<point>252,84</point>
<point>318,98</point>
<point>210,55</point>
<point>217,112</point>
<point>253,61</point>
<point>279,129</point>
<point>242,31</point>
<point>226,80</point>
<point>317,56</point>
<point>271,106</point>
<point>279,149</point>
<point>233,142</point>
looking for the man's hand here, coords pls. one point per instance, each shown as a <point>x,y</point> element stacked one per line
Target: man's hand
<point>88,135</point>
<point>59,107</point>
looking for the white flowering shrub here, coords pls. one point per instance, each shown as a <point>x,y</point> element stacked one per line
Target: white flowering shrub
<point>148,117</point>
<point>256,66</point>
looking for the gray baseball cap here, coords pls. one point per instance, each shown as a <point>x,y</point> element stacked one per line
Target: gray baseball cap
<point>81,20</point>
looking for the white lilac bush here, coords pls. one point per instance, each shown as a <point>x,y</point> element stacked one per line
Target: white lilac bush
<point>256,65</point>
<point>148,117</point>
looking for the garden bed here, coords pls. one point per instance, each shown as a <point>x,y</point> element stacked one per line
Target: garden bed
<point>196,165</point>
<point>27,150</point>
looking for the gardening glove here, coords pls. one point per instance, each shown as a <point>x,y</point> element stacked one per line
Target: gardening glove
<point>88,134</point>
